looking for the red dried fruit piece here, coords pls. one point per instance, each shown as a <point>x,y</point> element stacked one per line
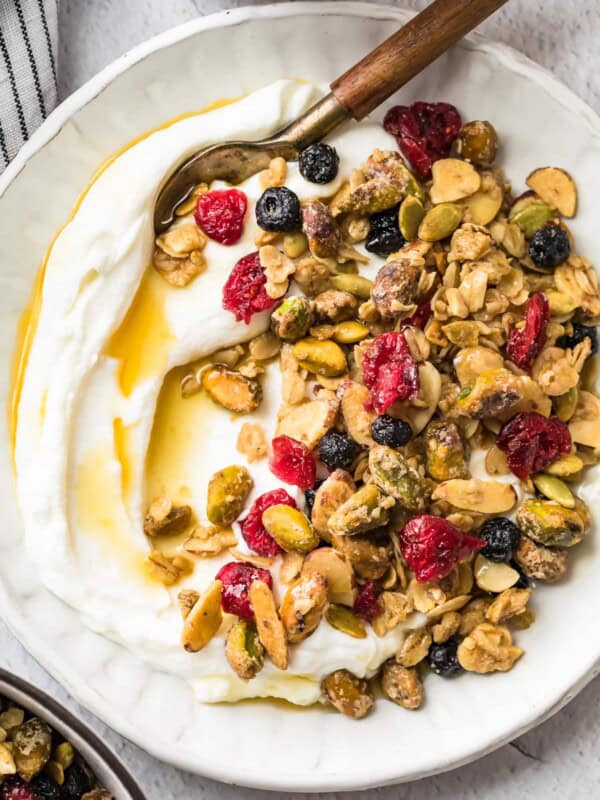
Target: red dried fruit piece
<point>421,316</point>
<point>13,788</point>
<point>531,442</point>
<point>245,294</point>
<point>237,577</point>
<point>431,546</point>
<point>425,132</point>
<point>524,344</point>
<point>389,371</point>
<point>220,214</point>
<point>366,605</point>
<point>254,532</point>
<point>292,462</point>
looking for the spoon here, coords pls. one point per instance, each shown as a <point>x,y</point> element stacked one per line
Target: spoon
<point>355,94</point>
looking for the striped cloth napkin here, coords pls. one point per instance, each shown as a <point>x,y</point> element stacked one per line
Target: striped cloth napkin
<point>28,36</point>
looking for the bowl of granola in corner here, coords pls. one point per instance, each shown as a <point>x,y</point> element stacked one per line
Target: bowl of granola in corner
<point>47,754</point>
<point>331,438</point>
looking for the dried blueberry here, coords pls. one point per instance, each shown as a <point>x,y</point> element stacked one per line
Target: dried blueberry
<point>309,497</point>
<point>443,659</point>
<point>390,431</point>
<point>319,163</point>
<point>549,246</point>
<point>580,332</point>
<point>278,209</point>
<point>384,233</point>
<point>45,788</point>
<point>77,782</point>
<point>502,537</point>
<point>337,450</point>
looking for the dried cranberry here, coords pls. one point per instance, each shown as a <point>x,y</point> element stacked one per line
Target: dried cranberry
<point>532,441</point>
<point>254,532</point>
<point>421,316</point>
<point>525,344</point>
<point>390,371</point>
<point>366,605</point>
<point>425,132</point>
<point>220,214</point>
<point>237,577</point>
<point>245,291</point>
<point>13,788</point>
<point>292,462</point>
<point>431,546</point>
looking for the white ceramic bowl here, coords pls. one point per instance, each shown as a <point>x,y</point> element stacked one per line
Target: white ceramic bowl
<point>263,744</point>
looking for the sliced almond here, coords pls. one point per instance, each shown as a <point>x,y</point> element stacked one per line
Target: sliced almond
<point>450,605</point>
<point>556,187</point>
<point>270,628</point>
<point>488,497</point>
<point>337,572</point>
<point>291,566</point>
<point>495,462</point>
<point>453,179</point>
<point>204,620</point>
<point>584,426</point>
<point>483,206</point>
<point>309,422</point>
<point>494,576</point>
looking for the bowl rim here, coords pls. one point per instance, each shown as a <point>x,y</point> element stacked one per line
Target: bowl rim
<point>60,718</point>
<point>49,129</point>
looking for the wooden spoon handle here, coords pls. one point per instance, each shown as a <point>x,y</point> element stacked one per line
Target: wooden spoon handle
<point>368,83</point>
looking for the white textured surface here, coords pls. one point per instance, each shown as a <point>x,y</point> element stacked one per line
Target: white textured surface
<point>557,35</point>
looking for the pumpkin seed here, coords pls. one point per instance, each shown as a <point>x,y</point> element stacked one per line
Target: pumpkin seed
<point>566,467</point>
<point>440,222</point>
<point>566,404</point>
<point>554,489</point>
<point>531,215</point>
<point>560,303</point>
<point>355,284</point>
<point>295,244</point>
<point>290,528</point>
<point>350,332</point>
<point>320,357</point>
<point>346,621</point>
<point>410,215</point>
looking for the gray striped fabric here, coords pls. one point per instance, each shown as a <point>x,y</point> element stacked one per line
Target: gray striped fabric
<point>28,34</point>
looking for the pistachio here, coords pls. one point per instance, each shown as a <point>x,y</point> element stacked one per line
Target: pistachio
<point>355,284</point>
<point>396,286</point>
<point>566,467</point>
<point>402,685</point>
<point>303,607</point>
<point>357,418</point>
<point>335,305</point>
<point>410,215</point>
<point>228,490</point>
<point>396,477</point>
<point>231,389</point>
<point>64,754</point>
<point>488,497</point>
<point>165,519</point>
<point>268,624</point>
<point>414,648</point>
<point>330,495</point>
<point>348,694</point>
<point>539,562</point>
<point>488,648</point>
<point>453,179</point>
<point>244,650</point>
<point>556,187</point>
<point>478,142</point>
<point>204,620</point>
<point>554,489</point>
<point>551,524</point>
<point>295,244</point>
<point>31,747</point>
<point>346,621</point>
<point>310,421</point>
<point>320,357</point>
<point>493,576</point>
<point>368,508</point>
<point>530,213</point>
<point>350,332</point>
<point>566,404</point>
<point>291,319</point>
<point>290,528</point>
<point>445,453</point>
<point>440,222</point>
<point>483,206</point>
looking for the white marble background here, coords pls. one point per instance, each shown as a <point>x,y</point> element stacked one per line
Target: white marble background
<point>560,759</point>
